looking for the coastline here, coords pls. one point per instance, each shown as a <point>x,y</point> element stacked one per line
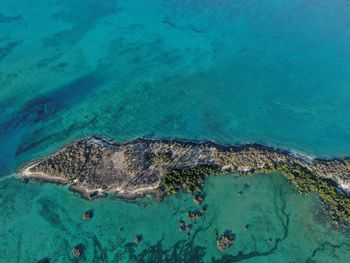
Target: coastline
<point>26,174</point>
<point>95,167</point>
<point>86,193</point>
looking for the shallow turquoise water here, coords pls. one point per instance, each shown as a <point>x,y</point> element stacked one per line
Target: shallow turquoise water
<point>45,220</point>
<point>275,72</point>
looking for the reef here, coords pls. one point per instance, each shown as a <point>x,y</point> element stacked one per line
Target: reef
<point>94,167</point>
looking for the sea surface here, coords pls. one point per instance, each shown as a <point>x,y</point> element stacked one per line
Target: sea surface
<point>232,71</point>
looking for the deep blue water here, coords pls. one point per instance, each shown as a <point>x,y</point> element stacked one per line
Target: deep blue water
<point>269,71</point>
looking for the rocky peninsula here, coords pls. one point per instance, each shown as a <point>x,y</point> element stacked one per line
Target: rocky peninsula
<point>95,166</point>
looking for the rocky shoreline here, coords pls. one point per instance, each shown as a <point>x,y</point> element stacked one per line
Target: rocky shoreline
<point>94,166</point>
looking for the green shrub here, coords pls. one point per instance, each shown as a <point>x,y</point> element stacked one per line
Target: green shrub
<point>306,182</point>
<point>190,179</point>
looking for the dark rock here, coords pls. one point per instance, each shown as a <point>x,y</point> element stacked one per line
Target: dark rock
<point>189,227</point>
<point>192,215</point>
<point>78,250</point>
<point>89,214</point>
<point>198,199</point>
<point>203,209</point>
<point>44,260</point>
<point>138,239</point>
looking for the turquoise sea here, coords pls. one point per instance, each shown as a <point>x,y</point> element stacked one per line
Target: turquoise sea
<point>232,71</point>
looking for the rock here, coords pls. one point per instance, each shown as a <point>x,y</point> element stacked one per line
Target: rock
<point>89,214</point>
<point>182,226</point>
<point>225,241</point>
<point>78,250</point>
<point>192,215</point>
<point>44,260</point>
<point>138,239</point>
<point>203,209</point>
<point>198,199</point>
<point>182,223</point>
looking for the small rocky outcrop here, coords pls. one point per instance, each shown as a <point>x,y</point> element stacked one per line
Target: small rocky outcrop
<point>89,214</point>
<point>193,215</point>
<point>198,199</point>
<point>225,241</point>
<point>78,250</point>
<point>138,239</point>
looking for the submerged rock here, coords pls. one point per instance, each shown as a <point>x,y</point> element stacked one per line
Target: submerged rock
<point>44,260</point>
<point>138,239</point>
<point>198,199</point>
<point>182,226</point>
<point>203,209</point>
<point>189,227</point>
<point>225,241</point>
<point>182,223</point>
<point>88,215</point>
<point>78,250</point>
<point>192,215</point>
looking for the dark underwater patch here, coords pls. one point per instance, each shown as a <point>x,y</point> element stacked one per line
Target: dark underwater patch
<point>8,49</point>
<point>60,67</point>
<point>39,138</point>
<point>67,37</point>
<point>42,63</point>
<point>27,145</point>
<point>50,211</point>
<point>89,11</point>
<point>168,21</point>
<point>65,96</point>
<point>38,109</point>
<point>9,19</point>
<point>43,107</point>
<point>182,251</point>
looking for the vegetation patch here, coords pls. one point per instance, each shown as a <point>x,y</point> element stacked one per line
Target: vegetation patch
<point>306,182</point>
<point>190,179</point>
<point>160,158</point>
